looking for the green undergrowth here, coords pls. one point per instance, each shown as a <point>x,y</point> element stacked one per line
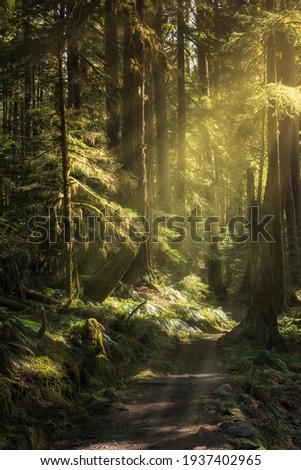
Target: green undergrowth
<point>89,355</point>
<point>268,391</point>
<point>290,327</point>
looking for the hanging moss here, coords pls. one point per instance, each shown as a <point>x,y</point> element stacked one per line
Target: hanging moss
<point>95,367</point>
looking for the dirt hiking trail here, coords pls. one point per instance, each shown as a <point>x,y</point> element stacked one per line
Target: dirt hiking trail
<point>172,411</point>
<point>168,412</point>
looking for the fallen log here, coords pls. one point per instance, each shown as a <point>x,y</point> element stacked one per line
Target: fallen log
<point>39,297</point>
<point>14,305</point>
<point>101,285</point>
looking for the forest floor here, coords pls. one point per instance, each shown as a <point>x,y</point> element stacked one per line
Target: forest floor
<point>163,383</point>
<point>169,411</point>
<point>172,411</point>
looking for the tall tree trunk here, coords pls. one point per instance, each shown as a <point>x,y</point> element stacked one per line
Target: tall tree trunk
<point>73,67</point>
<point>141,265</point>
<point>112,74</point>
<point>213,261</point>
<point>262,157</point>
<point>27,131</point>
<point>203,63</point>
<point>267,273</point>
<point>245,286</point>
<point>149,129</point>
<point>68,237</point>
<point>4,99</point>
<point>127,147</point>
<point>138,117</point>
<point>272,199</point>
<point>163,157</point>
<point>289,160</point>
<point>181,166</point>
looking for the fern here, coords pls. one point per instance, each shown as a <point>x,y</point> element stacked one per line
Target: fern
<point>14,341</point>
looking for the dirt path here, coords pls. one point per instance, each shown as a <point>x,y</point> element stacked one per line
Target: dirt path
<point>169,412</point>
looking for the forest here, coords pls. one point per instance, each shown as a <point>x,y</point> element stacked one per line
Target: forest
<point>150,224</point>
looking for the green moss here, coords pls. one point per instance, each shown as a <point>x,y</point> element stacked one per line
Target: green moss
<point>43,368</point>
<point>145,375</point>
<point>77,303</point>
<point>94,366</point>
<point>54,346</point>
<point>89,335</point>
<point>46,379</point>
<point>106,371</point>
<point>58,350</point>
<point>247,444</point>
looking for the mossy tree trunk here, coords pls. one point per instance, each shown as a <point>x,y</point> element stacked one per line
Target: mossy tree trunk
<point>101,285</point>
<point>68,236</point>
<point>181,124</point>
<point>112,74</point>
<point>163,156</point>
<point>245,286</point>
<point>127,141</point>
<point>136,134</point>
<point>266,269</point>
<point>289,160</point>
<point>272,200</point>
<point>28,82</point>
<point>73,67</point>
<point>213,258</point>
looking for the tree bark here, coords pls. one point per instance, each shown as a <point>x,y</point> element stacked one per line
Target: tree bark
<point>262,158</point>
<point>127,147</point>
<point>140,204</point>
<point>266,270</point>
<point>203,64</point>
<point>112,74</point>
<point>101,285</point>
<point>181,165</point>
<point>163,157</point>
<point>68,238</point>
<point>213,259</point>
<point>272,200</point>
<point>137,135</point>
<point>73,67</point>
<point>149,129</point>
<point>289,161</point>
<point>27,131</point>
